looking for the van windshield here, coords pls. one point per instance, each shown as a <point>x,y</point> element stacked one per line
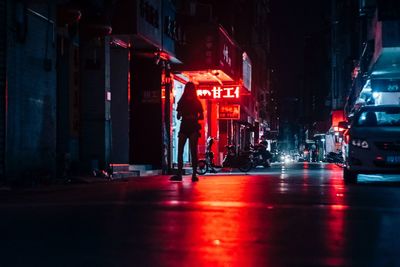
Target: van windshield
<point>379,117</point>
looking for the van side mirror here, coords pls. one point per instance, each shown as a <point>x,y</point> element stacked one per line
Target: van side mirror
<point>343,124</point>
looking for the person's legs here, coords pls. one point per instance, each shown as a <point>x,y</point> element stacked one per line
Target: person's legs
<point>193,141</point>
<point>181,145</point>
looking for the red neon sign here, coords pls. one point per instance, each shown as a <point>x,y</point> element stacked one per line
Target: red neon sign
<point>229,112</point>
<point>217,92</point>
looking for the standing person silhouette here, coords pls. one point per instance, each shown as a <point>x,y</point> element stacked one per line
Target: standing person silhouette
<point>190,111</point>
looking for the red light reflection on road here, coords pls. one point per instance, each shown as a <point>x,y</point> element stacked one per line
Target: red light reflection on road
<point>306,178</point>
<point>241,225</point>
<point>224,232</point>
<point>335,232</point>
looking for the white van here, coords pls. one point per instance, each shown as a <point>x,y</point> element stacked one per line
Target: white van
<point>372,143</point>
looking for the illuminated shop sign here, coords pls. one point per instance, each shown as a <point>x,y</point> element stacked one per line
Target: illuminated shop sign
<point>229,112</point>
<point>228,54</point>
<point>246,72</point>
<point>217,92</point>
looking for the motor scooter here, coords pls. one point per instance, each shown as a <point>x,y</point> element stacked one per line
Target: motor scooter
<point>261,156</point>
<point>241,160</point>
<point>207,164</point>
<point>333,157</point>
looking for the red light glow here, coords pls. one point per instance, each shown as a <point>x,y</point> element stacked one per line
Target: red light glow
<point>163,92</point>
<point>229,112</point>
<point>129,79</point>
<point>337,116</point>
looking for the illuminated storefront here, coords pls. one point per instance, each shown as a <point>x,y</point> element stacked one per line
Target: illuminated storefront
<point>222,73</point>
<point>177,91</point>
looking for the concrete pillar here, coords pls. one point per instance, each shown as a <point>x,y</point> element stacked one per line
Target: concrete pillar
<point>95,146</point>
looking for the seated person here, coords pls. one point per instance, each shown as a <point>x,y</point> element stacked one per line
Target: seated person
<point>262,148</point>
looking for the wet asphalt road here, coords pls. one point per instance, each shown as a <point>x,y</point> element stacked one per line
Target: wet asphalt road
<point>297,215</point>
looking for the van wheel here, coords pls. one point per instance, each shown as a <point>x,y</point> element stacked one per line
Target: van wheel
<point>350,177</point>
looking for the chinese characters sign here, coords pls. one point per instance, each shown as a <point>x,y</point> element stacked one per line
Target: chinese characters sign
<point>217,92</point>
<point>229,112</point>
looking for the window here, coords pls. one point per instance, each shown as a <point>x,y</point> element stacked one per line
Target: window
<point>379,117</point>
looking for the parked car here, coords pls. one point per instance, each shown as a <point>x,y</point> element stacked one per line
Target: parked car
<point>372,142</point>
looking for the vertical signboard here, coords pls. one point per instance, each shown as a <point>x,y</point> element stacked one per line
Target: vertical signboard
<point>149,20</point>
<point>141,18</point>
<point>208,47</point>
<point>246,72</point>
<point>228,54</point>
<point>171,30</point>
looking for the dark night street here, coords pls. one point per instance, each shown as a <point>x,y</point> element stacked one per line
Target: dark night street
<point>299,215</point>
<point>106,104</point>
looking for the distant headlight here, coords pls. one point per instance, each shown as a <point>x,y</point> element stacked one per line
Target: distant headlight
<point>360,143</point>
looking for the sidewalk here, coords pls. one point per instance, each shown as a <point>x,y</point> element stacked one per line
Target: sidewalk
<point>96,177</point>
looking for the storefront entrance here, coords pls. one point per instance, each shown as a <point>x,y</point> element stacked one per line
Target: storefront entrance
<point>177,92</point>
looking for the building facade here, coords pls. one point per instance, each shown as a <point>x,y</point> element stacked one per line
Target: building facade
<point>373,53</point>
<point>28,89</point>
<point>91,85</point>
<point>241,58</point>
<point>365,56</point>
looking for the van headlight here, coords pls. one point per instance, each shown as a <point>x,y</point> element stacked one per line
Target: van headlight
<point>360,143</point>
